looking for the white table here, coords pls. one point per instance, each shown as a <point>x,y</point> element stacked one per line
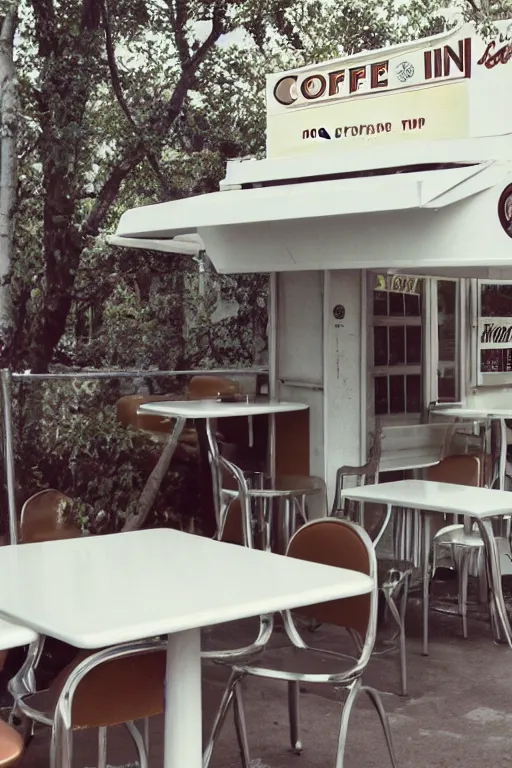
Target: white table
<point>181,410</point>
<point>482,504</point>
<point>131,586</point>
<point>15,635</point>
<point>484,414</point>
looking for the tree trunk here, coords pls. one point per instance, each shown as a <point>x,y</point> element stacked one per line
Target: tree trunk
<point>8,163</point>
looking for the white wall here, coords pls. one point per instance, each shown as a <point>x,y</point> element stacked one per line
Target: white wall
<point>345,393</point>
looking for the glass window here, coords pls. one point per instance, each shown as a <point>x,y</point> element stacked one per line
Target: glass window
<point>397,346</point>
<point>494,328</point>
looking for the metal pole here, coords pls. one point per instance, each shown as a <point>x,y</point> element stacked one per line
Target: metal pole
<point>272,369</point>
<point>134,374</point>
<point>10,476</point>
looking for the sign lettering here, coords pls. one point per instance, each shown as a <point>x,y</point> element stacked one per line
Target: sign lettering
<point>496,334</point>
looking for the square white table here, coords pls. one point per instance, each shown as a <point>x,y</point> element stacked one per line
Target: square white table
<point>482,504</point>
<point>130,586</point>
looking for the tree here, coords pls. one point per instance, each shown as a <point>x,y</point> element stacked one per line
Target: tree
<point>118,94</point>
<point>9,111</point>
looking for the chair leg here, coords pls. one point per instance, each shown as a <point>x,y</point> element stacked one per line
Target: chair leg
<point>426,581</point>
<point>389,591</point>
<point>226,700</point>
<point>294,716</point>
<point>240,726</point>
<point>102,747</point>
<point>353,690</point>
<point>463,591</point>
<point>138,739</point>
<point>374,697</point>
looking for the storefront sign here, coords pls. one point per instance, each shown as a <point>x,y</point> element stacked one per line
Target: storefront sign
<point>442,87</point>
<point>397,284</point>
<point>495,332</point>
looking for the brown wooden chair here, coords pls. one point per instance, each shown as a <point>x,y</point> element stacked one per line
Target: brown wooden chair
<point>157,426</point>
<point>340,544</point>
<point>11,745</point>
<point>46,516</point>
<point>207,387</point>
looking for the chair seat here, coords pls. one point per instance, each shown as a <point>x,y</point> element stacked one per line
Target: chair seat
<point>11,745</point>
<point>454,535</point>
<point>291,663</point>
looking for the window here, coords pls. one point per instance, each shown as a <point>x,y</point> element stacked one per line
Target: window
<point>447,340</point>
<point>397,346</point>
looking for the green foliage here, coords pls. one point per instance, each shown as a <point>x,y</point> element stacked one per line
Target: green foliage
<point>154,117</point>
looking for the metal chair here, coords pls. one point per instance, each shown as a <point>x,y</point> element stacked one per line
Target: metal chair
<point>117,685</point>
<point>463,469</point>
<point>336,543</point>
<point>368,470</point>
<point>45,516</point>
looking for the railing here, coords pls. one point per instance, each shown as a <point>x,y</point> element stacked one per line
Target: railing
<point>7,377</point>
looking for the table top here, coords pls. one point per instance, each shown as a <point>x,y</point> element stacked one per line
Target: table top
<point>484,412</point>
<point>213,409</point>
<point>14,635</point>
<point>103,590</point>
<point>435,497</point>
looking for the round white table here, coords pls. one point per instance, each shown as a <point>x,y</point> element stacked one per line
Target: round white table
<point>485,414</point>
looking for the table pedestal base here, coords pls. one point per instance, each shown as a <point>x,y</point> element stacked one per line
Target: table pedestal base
<point>183,711</point>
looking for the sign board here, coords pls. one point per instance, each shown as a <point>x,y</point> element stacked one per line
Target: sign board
<point>397,284</point>
<point>495,333</point>
<point>447,86</point>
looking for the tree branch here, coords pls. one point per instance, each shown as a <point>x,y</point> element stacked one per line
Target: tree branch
<point>118,91</point>
<point>179,18</point>
<point>156,126</point>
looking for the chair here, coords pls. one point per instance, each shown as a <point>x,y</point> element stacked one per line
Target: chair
<point>118,685</point>
<point>336,543</point>
<point>368,470</point>
<point>211,387</point>
<point>157,426</point>
<point>463,469</point>
<point>45,516</point>
<point>11,745</point>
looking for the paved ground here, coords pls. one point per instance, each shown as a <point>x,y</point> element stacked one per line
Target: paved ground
<point>458,712</point>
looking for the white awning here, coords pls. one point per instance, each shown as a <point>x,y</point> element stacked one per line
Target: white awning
<point>310,200</point>
<point>403,220</point>
<point>191,247</point>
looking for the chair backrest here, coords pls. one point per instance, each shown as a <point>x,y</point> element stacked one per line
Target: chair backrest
<point>412,442</point>
<point>45,517</point>
<point>127,407</point>
<point>11,745</point>
<point>115,691</point>
<point>463,469</point>
<point>206,387</point>
<point>345,545</point>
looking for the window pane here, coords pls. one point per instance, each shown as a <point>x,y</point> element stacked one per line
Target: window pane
<point>380,303</point>
<point>447,385</point>
<point>396,394</point>
<point>380,345</point>
<point>413,305</point>
<point>413,394</point>
<point>496,360</point>
<point>496,300</point>
<point>396,304</point>
<point>381,395</point>
<point>397,345</point>
<point>414,344</point>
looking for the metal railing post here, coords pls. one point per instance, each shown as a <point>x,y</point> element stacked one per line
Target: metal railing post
<point>10,476</point>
